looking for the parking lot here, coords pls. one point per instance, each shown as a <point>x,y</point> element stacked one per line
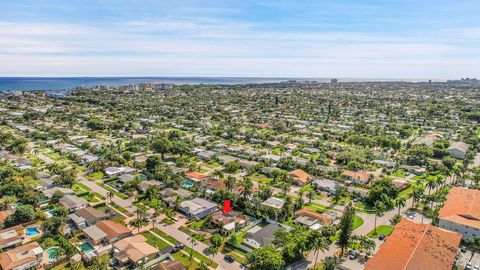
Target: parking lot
<point>465,257</point>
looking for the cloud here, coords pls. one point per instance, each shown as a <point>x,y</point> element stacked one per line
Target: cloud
<point>212,47</point>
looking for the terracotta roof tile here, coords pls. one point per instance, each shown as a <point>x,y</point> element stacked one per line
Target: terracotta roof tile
<point>462,206</point>
<point>414,246</point>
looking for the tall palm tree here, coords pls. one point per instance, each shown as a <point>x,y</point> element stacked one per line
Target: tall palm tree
<point>319,243</point>
<point>431,183</point>
<point>379,208</point>
<point>417,194</point>
<point>400,202</point>
<point>110,195</point>
<point>331,263</point>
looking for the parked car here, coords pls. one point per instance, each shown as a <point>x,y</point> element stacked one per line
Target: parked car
<point>177,247</point>
<point>463,249</point>
<point>476,267</point>
<point>468,267</point>
<point>381,237</point>
<point>229,258</point>
<point>352,255</point>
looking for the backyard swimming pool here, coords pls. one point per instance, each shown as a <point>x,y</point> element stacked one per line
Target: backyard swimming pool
<point>51,253</point>
<point>86,247</point>
<point>187,184</point>
<point>32,231</point>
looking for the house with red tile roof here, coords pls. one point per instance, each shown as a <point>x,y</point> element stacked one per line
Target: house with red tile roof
<point>196,176</point>
<point>28,256</point>
<point>461,212</point>
<point>414,246</point>
<point>301,177</point>
<point>11,237</point>
<point>357,177</point>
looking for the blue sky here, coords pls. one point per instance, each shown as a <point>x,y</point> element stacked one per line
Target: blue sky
<point>409,39</point>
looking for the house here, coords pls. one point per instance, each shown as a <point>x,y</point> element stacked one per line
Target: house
<point>273,157</point>
<point>312,219</point>
<point>114,231</point>
<point>258,237</point>
<point>414,246</point>
<point>73,203</point>
<point>206,154</point>
<point>417,170</point>
<point>140,159</point>
<point>65,191</point>
<point>428,140</point>
<point>4,214</point>
<point>197,208</point>
<point>170,194</point>
<point>134,249</point>
<point>274,202</point>
<point>196,176</point>
<point>145,185</point>
<point>228,221</point>
<point>171,265</point>
<point>461,212</point>
<point>300,177</point>
<point>95,235</point>
<point>458,150</point>
<point>245,164</point>
<point>11,237</point>
<point>213,185</point>
<point>125,178</point>
<point>28,256</point>
<point>87,216</point>
<point>116,171</point>
<point>357,177</point>
<point>326,185</point>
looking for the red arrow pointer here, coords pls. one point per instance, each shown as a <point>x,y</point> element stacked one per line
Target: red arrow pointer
<point>226,206</point>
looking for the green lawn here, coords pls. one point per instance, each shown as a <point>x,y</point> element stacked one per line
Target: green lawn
<point>179,255</point>
<point>165,236</point>
<point>155,241</point>
<point>318,207</point>
<point>357,222</point>
<point>79,187</point>
<point>96,175</point>
<point>399,173</point>
<point>258,177</point>
<point>382,229</point>
<point>197,224</point>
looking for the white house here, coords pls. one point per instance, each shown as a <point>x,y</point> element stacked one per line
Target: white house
<point>461,212</point>
<point>458,150</point>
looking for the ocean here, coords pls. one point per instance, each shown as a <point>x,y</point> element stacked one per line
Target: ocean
<point>65,83</point>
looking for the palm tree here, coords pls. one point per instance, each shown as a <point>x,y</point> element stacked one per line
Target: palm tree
<point>331,263</point>
<point>400,202</point>
<point>319,243</point>
<point>311,195</point>
<point>230,182</point>
<point>192,241</point>
<point>247,187</point>
<point>285,188</point>
<point>473,245</point>
<point>110,195</point>
<point>379,208</point>
<point>417,194</point>
<point>431,183</point>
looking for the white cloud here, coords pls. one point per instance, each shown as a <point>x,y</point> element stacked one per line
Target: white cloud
<point>215,48</point>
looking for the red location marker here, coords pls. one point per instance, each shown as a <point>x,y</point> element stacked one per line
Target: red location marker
<point>226,206</point>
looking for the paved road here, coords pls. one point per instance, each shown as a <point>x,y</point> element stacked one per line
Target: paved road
<point>127,204</point>
<point>184,238</point>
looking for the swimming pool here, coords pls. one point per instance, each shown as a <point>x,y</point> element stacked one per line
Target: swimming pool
<point>49,213</point>
<point>86,247</point>
<point>32,231</point>
<point>187,184</point>
<point>51,253</point>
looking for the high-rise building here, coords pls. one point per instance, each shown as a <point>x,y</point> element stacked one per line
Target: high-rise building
<point>334,81</point>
